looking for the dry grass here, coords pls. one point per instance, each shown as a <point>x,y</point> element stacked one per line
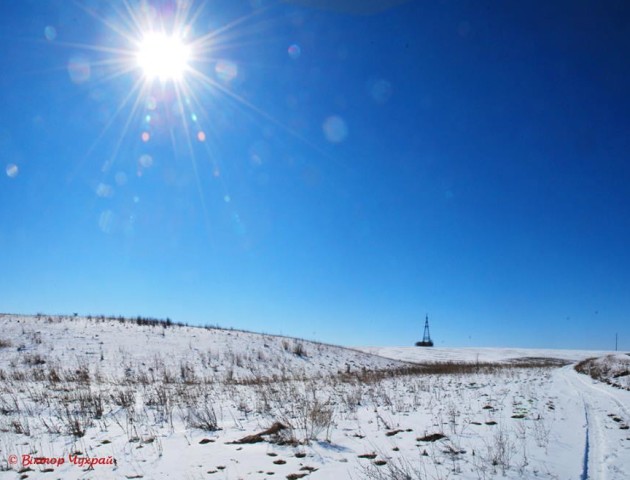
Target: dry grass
<point>606,371</point>
<point>40,394</point>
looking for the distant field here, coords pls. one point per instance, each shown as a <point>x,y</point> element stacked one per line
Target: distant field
<point>438,354</point>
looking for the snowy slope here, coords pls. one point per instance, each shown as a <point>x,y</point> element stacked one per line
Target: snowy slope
<point>187,403</point>
<point>613,369</point>
<point>124,348</point>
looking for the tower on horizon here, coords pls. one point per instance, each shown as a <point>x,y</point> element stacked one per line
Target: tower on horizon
<point>426,338</point>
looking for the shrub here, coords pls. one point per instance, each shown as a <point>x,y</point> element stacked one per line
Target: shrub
<point>299,350</point>
<point>203,417</point>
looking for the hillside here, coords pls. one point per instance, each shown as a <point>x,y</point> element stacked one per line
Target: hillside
<point>124,348</point>
<point>110,398</point>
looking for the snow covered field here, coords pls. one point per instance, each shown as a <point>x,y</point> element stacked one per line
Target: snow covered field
<point>143,400</point>
<point>440,354</point>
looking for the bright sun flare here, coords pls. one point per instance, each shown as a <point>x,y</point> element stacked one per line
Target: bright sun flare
<point>163,57</point>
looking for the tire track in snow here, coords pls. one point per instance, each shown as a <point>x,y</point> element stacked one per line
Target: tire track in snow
<point>604,389</point>
<point>594,442</point>
<point>604,457</point>
<point>584,475</point>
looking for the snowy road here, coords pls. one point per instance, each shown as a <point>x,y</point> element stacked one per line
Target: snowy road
<point>582,428</point>
<point>606,446</point>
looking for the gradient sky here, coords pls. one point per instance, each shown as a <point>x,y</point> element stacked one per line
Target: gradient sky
<point>360,168</point>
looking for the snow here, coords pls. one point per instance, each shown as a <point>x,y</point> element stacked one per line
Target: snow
<point>613,369</point>
<point>440,354</point>
<point>148,396</point>
<point>609,453</point>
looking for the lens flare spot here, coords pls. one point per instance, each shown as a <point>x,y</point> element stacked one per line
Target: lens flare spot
<point>226,70</point>
<point>227,198</point>
<point>239,227</point>
<point>294,51</point>
<point>178,109</point>
<point>380,90</point>
<point>79,69</point>
<point>151,103</point>
<point>146,161</point>
<point>120,178</point>
<point>146,136</point>
<point>201,136</point>
<point>103,190</point>
<point>12,170</point>
<point>335,129</point>
<point>106,221</point>
<point>50,33</point>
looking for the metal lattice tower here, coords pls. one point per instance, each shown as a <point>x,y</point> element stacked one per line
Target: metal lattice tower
<point>426,338</point>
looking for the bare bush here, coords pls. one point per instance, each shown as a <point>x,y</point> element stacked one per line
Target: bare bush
<point>124,398</point>
<point>76,423</point>
<point>33,359</point>
<point>160,398</point>
<point>80,375</point>
<point>500,450</point>
<point>203,417</point>
<point>94,404</point>
<point>303,410</point>
<point>299,349</point>
<point>398,469</point>
<point>187,373</point>
<point>54,375</point>
<point>21,427</point>
<point>542,431</point>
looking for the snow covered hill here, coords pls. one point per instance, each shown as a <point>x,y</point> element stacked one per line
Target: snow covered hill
<point>613,369</point>
<point>110,398</point>
<point>126,348</point>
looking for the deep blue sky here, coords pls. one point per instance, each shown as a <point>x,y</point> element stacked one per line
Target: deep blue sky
<point>468,160</point>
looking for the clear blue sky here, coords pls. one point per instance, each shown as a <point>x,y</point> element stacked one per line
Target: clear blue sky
<point>328,172</point>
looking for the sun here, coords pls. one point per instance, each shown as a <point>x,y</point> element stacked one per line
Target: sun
<point>163,57</point>
<point>173,68</point>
